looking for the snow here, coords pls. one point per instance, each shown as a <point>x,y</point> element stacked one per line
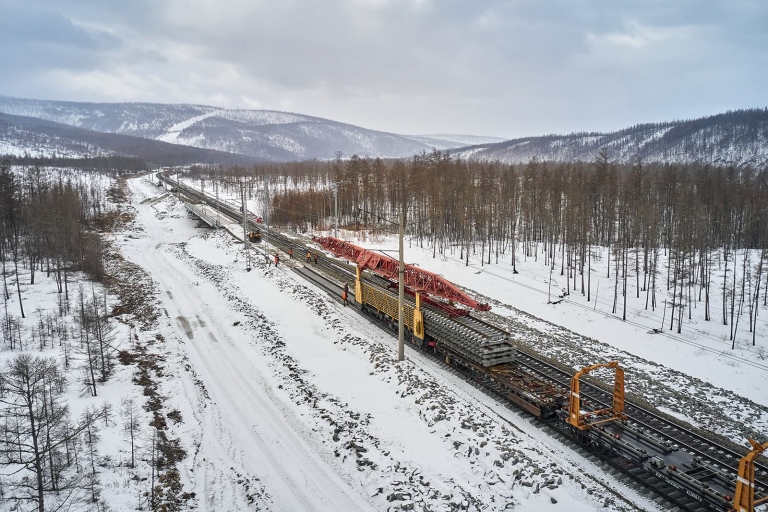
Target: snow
<point>17,143</point>
<point>701,350</point>
<point>255,423</point>
<point>290,401</point>
<point>699,361</point>
<point>172,134</point>
<point>730,386</point>
<point>265,117</point>
<point>298,367</point>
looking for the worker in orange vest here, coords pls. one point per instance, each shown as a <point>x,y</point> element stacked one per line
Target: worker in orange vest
<point>290,252</point>
<point>345,293</point>
<point>309,257</point>
<point>277,259</point>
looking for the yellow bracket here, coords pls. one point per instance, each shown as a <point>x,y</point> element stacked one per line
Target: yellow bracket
<point>358,286</point>
<point>744,497</point>
<point>418,319</point>
<point>578,419</point>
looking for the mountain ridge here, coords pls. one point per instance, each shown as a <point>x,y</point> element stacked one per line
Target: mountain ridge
<point>266,134</point>
<point>22,136</point>
<point>738,137</point>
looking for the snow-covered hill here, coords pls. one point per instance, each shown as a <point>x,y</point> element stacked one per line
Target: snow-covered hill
<point>739,138</point>
<point>266,134</point>
<point>32,137</point>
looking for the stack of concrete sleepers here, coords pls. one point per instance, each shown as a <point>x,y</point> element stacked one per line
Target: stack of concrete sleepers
<point>478,342</point>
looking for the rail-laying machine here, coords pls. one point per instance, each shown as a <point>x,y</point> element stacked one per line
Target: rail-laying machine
<point>436,323</point>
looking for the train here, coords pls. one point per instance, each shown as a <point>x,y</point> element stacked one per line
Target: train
<point>485,352</point>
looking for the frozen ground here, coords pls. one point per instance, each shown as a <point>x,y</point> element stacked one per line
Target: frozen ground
<point>288,401</point>
<point>694,374</point>
<point>292,402</point>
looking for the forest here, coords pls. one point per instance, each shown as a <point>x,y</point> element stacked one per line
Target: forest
<point>709,221</point>
<point>52,223</point>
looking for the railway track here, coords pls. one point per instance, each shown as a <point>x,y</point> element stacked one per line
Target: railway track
<point>689,446</point>
<point>495,390</point>
<point>687,439</point>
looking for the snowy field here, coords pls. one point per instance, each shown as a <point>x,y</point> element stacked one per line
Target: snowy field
<point>289,401</point>
<point>698,361</point>
<point>301,406</point>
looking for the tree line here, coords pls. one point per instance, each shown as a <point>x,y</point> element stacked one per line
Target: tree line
<point>48,224</point>
<point>706,220</point>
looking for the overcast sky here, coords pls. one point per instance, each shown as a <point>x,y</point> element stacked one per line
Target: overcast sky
<point>505,68</point>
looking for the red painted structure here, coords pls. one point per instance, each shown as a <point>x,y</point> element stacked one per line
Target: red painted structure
<point>416,278</point>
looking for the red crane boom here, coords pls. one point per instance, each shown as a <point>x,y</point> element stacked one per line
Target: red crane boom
<point>416,278</point>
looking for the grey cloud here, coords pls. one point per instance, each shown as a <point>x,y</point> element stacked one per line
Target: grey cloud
<point>506,67</point>
<point>49,39</point>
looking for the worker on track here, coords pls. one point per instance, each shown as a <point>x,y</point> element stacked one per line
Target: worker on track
<point>315,257</point>
<point>277,259</point>
<point>309,257</point>
<point>290,252</point>
<point>345,294</point>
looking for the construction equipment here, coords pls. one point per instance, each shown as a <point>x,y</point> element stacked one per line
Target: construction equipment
<point>415,278</point>
<point>584,421</point>
<point>744,498</point>
<point>254,236</point>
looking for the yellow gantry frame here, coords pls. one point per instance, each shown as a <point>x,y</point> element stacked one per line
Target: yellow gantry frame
<point>744,498</point>
<point>418,319</point>
<point>358,286</point>
<point>418,314</point>
<point>578,419</point>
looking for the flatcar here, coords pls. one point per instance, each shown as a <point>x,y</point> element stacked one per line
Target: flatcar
<point>487,354</point>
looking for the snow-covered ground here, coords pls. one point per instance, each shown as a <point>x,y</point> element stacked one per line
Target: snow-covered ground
<point>729,388</point>
<point>289,401</point>
<point>292,402</point>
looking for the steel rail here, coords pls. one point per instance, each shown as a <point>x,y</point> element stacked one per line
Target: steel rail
<point>705,445</point>
<point>561,377</point>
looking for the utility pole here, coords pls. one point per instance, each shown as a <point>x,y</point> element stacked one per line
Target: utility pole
<point>549,290</point>
<point>400,286</point>
<point>401,295</point>
<point>245,230</point>
<point>218,218</point>
<point>266,219</point>
<point>336,201</point>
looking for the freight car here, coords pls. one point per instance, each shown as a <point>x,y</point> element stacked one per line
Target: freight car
<point>486,353</point>
<point>476,347</point>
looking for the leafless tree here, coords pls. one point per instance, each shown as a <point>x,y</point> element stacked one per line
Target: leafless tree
<point>37,435</point>
<point>129,411</point>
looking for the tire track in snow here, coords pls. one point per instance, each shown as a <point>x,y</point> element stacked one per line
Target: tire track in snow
<point>291,472</point>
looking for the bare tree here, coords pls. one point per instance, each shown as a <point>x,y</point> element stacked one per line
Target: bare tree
<point>37,431</point>
<point>129,411</point>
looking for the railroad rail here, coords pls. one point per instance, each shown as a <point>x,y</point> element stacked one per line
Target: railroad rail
<point>686,438</point>
<point>694,471</point>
